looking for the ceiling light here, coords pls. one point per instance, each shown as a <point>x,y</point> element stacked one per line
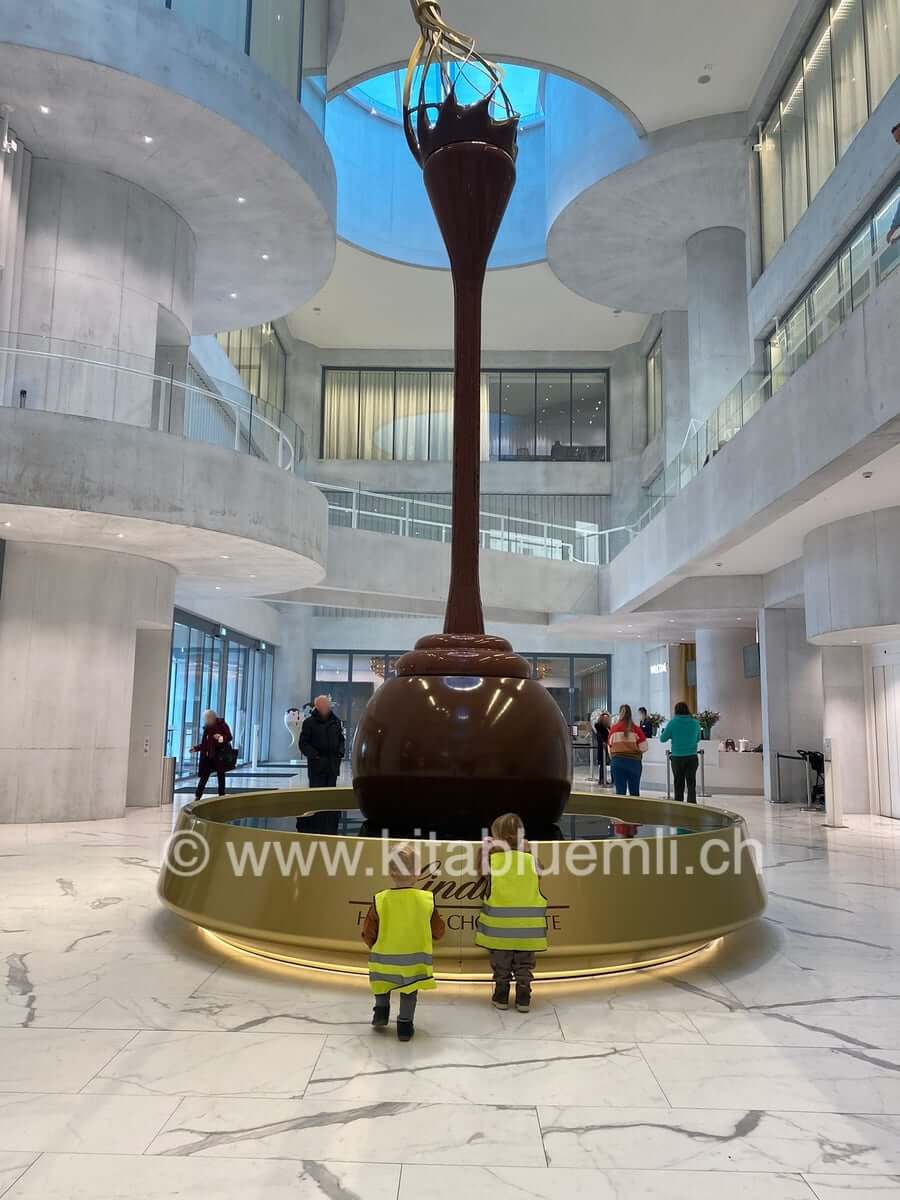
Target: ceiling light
<point>120,535</point>
<point>148,140</point>
<point>373,112</point>
<point>232,295</point>
<point>218,589</point>
<point>7,524</point>
<point>740,618</point>
<point>252,576</point>
<point>704,78</point>
<point>45,110</point>
<point>224,556</point>
<point>242,199</point>
<point>264,257</point>
<point>867,474</point>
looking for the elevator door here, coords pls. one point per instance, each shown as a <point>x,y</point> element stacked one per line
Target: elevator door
<point>886,681</point>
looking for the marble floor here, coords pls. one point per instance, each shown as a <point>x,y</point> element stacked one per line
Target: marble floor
<point>138,1060</point>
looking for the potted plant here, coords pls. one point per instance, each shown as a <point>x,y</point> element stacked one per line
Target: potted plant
<point>707,719</point>
<point>656,720</point>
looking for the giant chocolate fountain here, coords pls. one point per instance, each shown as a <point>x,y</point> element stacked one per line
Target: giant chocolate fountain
<point>463,733</point>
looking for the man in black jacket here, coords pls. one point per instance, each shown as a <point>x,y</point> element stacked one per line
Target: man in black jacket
<point>322,741</point>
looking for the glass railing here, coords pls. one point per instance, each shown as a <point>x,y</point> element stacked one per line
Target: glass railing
<point>81,380</point>
<point>380,512</point>
<point>288,40</point>
<point>861,265</point>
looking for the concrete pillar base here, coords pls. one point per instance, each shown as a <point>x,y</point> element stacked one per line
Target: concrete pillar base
<point>69,619</point>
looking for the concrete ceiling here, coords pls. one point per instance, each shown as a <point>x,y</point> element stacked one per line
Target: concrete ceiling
<point>782,541</point>
<point>372,303</point>
<point>647,53</point>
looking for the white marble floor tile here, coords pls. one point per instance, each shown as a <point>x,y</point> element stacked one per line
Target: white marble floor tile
<point>479,1071</point>
<point>385,1131</point>
<point>720,1140</point>
<point>796,1080</point>
<point>82,1124</point>
<point>163,1063</point>
<point>310,1012</point>
<point>111,1177</point>
<point>855,1187</point>
<point>11,1167</point>
<point>519,1184</point>
<point>600,1021</point>
<point>55,1060</point>
<point>814,1025</point>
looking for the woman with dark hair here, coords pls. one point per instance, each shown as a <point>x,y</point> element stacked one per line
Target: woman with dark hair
<point>601,732</point>
<point>684,732</point>
<point>627,744</point>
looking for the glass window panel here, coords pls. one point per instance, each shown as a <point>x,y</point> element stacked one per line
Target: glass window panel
<point>793,151</point>
<point>411,425</point>
<point>826,307</point>
<point>883,46</point>
<point>484,422</point>
<point>554,414</point>
<point>275,40</point>
<point>227,18</point>
<point>771,187</point>
<point>819,106</point>
<point>861,266</point>
<point>591,686</point>
<point>177,693</point>
<point>341,428</point>
<point>553,671</point>
<point>332,679</point>
<point>777,367</point>
<point>440,436</point>
<point>848,55</point>
<point>796,343</point>
<point>376,415</point>
<point>589,414</point>
<point>654,390</point>
<point>517,432</point>
<point>492,380</point>
<point>886,218</point>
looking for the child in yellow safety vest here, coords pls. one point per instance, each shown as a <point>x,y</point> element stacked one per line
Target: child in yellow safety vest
<point>513,921</point>
<point>399,929</point>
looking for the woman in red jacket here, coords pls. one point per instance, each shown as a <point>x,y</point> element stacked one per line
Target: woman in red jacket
<point>627,744</point>
<point>216,738</point>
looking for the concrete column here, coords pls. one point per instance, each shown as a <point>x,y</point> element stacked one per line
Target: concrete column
<point>718,324</point>
<point>721,685</point>
<point>149,703</point>
<point>847,724</point>
<point>293,673</point>
<point>103,259</point>
<point>791,687</point>
<point>68,627</point>
<point>676,378</point>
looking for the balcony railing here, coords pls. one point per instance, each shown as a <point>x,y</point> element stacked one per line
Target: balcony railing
<point>862,264</point>
<point>380,512</point>
<point>56,376</point>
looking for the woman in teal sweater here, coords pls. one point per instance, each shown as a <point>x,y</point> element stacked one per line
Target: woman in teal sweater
<point>683,731</point>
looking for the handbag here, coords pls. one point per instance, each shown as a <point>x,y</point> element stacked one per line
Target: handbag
<point>228,757</point>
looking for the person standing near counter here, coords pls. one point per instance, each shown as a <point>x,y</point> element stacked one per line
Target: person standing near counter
<point>627,744</point>
<point>684,732</point>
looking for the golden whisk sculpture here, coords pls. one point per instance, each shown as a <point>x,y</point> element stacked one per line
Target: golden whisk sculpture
<point>437,47</point>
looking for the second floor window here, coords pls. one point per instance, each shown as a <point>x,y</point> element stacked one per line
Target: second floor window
<point>654,390</point>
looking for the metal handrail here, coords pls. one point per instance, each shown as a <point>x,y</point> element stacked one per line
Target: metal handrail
<point>544,535</point>
<point>289,450</point>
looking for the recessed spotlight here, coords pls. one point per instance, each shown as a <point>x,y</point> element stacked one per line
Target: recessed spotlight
<point>317,310</point>
<point>242,199</point>
<point>704,78</point>
<point>45,110</point>
<point>148,140</point>
<point>671,620</point>
<point>7,524</point>
<point>252,576</point>
<point>224,556</point>
<point>218,589</point>
<point>718,564</point>
<point>867,474</point>
<point>120,535</point>
<point>232,295</point>
<point>264,257</point>
<point>617,312</point>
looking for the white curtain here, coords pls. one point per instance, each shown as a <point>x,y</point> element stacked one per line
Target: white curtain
<point>793,151</point>
<point>411,429</point>
<point>848,53</point>
<point>819,106</point>
<point>441,437</point>
<point>341,414</point>
<point>376,415</point>
<point>883,43</point>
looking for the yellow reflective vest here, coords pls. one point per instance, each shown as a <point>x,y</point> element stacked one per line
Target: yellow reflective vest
<point>400,960</point>
<point>514,914</point>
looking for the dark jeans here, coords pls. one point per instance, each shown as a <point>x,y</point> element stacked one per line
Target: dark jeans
<point>626,774</point>
<point>684,771</point>
<point>602,756</point>
<point>513,964</point>
<point>207,768</point>
<point>407,1004</point>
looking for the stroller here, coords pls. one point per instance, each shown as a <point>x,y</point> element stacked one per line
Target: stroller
<point>815,768</point>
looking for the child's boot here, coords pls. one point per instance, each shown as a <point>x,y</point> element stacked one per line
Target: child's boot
<point>500,998</point>
<point>523,997</point>
<point>405,1030</point>
<point>381,1014</point>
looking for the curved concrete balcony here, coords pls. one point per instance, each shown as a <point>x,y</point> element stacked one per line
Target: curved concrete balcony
<point>133,90</point>
<point>222,520</point>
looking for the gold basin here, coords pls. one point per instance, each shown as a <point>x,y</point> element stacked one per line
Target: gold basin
<point>646,900</point>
